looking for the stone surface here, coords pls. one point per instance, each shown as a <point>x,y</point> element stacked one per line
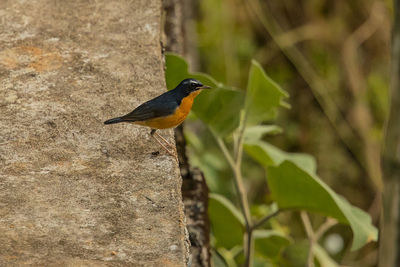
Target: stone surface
<point>74,192</point>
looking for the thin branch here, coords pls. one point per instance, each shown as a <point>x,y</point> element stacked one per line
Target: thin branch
<point>243,196</point>
<point>235,143</point>
<point>225,151</point>
<point>265,219</point>
<point>311,237</point>
<point>324,227</point>
<point>249,248</point>
<point>238,182</point>
<point>242,127</point>
<point>241,189</point>
<point>236,165</point>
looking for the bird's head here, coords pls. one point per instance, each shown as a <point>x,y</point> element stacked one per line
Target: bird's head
<point>191,85</point>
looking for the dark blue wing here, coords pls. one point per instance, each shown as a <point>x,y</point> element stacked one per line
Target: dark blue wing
<point>160,106</point>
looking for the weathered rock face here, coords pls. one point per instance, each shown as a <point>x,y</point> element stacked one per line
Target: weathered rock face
<point>72,190</point>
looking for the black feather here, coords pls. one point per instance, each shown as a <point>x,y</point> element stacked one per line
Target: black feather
<point>114,120</point>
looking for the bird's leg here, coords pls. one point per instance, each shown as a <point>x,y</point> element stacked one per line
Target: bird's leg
<point>153,131</point>
<point>165,141</point>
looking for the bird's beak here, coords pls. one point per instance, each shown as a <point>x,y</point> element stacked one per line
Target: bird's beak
<point>204,87</point>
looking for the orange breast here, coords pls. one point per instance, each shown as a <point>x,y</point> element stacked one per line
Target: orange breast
<point>175,119</point>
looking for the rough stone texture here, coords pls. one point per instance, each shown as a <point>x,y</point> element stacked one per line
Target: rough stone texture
<point>74,192</point>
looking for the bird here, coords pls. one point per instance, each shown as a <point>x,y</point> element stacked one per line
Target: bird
<point>167,110</point>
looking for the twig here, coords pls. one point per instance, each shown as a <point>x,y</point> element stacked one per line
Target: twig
<point>265,219</point>
<point>244,204</point>
<point>312,236</point>
<point>225,151</point>
<point>324,227</point>
<point>242,127</point>
<point>236,165</point>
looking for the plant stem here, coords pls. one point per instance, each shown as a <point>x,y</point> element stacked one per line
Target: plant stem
<point>225,151</point>
<point>236,163</point>
<point>313,237</point>
<point>324,227</point>
<point>249,248</point>
<point>264,220</point>
<point>242,126</point>
<point>244,203</point>
<point>235,143</point>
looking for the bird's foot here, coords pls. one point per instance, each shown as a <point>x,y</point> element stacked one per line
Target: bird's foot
<point>153,134</point>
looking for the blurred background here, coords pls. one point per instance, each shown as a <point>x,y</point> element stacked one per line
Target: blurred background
<point>332,56</point>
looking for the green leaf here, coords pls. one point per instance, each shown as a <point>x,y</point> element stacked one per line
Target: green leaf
<point>263,97</point>
<point>294,188</point>
<point>254,133</point>
<point>220,106</point>
<point>296,254</point>
<point>270,243</point>
<point>177,70</point>
<point>228,256</point>
<point>294,184</point>
<point>262,262</point>
<point>226,221</point>
<point>217,259</point>
<point>217,107</point>
<point>269,155</point>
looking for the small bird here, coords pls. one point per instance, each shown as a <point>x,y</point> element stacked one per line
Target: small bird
<point>167,110</point>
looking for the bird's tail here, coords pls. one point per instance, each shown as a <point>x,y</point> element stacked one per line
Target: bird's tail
<point>114,120</point>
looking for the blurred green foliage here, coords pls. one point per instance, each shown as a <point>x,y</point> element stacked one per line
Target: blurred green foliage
<point>292,178</point>
<point>228,233</point>
<point>335,47</point>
